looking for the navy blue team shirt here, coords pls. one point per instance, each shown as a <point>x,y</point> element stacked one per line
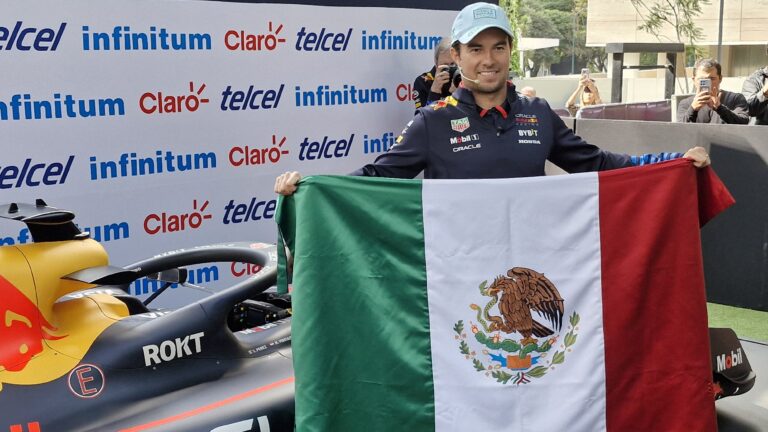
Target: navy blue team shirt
<point>455,139</point>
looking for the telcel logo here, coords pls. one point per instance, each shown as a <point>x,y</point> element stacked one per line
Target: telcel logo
<point>165,223</point>
<point>258,156</point>
<point>253,211</point>
<point>241,41</point>
<point>325,149</point>
<point>252,98</point>
<point>323,41</point>
<point>151,103</point>
<point>727,361</point>
<point>27,38</point>
<point>33,174</point>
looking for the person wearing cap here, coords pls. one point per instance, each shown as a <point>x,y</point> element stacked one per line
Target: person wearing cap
<point>587,92</point>
<point>438,82</point>
<point>485,129</point>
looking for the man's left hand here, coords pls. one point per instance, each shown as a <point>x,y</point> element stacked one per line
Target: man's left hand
<point>699,156</point>
<point>715,101</point>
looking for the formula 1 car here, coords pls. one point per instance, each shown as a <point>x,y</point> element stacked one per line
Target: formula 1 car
<point>78,353</point>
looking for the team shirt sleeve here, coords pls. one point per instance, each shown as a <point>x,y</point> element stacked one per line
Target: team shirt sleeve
<point>407,158</point>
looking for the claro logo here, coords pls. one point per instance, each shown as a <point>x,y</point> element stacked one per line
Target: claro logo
<point>160,103</point>
<point>241,40</point>
<point>239,156</point>
<point>156,223</point>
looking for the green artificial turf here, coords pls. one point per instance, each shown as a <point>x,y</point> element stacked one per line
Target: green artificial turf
<point>747,323</point>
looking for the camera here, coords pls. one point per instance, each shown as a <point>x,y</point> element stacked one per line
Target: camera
<point>585,73</point>
<point>452,69</point>
<point>454,77</point>
<point>705,84</point>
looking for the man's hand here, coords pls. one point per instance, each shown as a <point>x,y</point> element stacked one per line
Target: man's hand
<point>699,157</point>
<point>701,99</point>
<point>765,89</point>
<point>285,184</point>
<point>714,101</point>
<point>441,77</point>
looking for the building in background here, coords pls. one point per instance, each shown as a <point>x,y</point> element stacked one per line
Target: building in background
<point>745,30</point>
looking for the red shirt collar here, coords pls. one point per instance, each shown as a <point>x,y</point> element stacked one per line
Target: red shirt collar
<point>498,108</point>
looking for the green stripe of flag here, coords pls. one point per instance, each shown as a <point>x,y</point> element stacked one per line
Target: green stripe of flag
<point>385,280</point>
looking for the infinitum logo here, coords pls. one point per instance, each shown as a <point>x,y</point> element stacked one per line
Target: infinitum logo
<point>122,38</point>
<point>241,40</point>
<point>346,95</point>
<point>388,40</point>
<point>156,223</point>
<point>24,107</point>
<point>239,156</point>
<point>159,103</point>
<point>133,165</point>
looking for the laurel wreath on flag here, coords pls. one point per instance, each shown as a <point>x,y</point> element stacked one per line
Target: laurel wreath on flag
<point>503,377</point>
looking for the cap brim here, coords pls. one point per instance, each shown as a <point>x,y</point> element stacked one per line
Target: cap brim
<point>471,33</point>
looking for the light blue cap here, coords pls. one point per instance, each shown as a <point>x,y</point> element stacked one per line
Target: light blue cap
<point>477,17</point>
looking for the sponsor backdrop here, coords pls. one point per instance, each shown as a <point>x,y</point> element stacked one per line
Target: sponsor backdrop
<point>162,124</point>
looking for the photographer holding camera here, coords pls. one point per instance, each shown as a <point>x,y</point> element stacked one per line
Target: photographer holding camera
<point>710,104</point>
<point>586,92</point>
<point>439,82</point>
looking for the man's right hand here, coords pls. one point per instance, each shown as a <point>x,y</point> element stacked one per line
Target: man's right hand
<point>441,77</point>
<point>700,100</point>
<point>285,184</point>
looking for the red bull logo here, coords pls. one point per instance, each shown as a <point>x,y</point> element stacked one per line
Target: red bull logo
<point>22,328</point>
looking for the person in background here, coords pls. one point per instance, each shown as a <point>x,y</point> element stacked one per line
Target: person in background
<point>586,91</point>
<point>710,104</point>
<point>436,83</point>
<point>528,92</point>
<point>755,90</point>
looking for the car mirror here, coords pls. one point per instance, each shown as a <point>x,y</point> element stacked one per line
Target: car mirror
<point>174,275</point>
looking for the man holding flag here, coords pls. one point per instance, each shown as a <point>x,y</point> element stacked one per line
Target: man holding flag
<point>485,129</point>
<point>515,304</point>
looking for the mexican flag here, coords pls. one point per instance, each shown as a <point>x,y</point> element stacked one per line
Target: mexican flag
<point>536,304</point>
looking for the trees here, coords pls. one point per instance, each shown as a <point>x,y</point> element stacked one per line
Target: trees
<point>679,14</point>
<point>565,20</point>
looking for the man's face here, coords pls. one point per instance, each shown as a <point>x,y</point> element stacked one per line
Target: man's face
<point>485,59</point>
<point>702,73</point>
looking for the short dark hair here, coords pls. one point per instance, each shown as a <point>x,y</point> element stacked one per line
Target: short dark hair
<point>708,63</point>
<point>457,45</point>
